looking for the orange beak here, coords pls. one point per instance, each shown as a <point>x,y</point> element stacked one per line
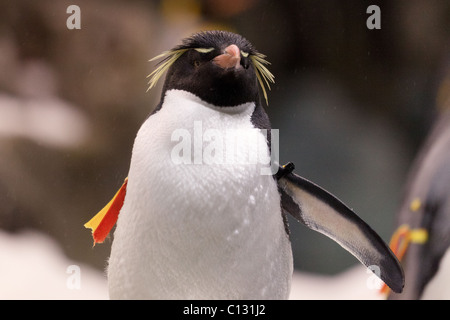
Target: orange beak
<point>231,58</point>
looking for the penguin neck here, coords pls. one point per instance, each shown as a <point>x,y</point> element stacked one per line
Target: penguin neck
<point>178,96</point>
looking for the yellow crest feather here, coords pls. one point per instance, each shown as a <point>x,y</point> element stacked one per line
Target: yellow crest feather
<point>169,58</point>
<point>262,73</point>
<point>258,60</point>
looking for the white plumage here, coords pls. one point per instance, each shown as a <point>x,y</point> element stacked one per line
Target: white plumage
<point>196,230</point>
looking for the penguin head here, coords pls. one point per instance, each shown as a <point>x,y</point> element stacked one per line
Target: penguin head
<point>221,68</point>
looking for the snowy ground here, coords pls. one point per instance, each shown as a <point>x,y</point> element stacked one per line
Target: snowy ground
<point>34,267</point>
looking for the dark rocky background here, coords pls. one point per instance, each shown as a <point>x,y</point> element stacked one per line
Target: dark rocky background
<point>353,105</point>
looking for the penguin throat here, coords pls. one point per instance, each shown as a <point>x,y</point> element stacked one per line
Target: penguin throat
<point>186,95</point>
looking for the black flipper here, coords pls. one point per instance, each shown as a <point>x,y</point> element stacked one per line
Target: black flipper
<point>321,211</point>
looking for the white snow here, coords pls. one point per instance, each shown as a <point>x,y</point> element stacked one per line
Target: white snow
<point>33,266</point>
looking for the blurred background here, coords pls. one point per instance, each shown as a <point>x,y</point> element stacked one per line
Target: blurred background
<point>353,106</point>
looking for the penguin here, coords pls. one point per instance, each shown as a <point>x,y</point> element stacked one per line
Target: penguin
<point>197,222</point>
<point>422,237</point>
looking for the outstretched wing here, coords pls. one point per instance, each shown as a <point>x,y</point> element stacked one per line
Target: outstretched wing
<point>321,211</point>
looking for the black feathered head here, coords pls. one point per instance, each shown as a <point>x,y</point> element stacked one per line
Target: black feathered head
<point>220,67</point>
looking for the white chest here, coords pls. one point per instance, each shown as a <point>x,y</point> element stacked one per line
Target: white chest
<point>200,219</point>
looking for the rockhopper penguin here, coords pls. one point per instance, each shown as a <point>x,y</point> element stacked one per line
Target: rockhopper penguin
<point>422,238</point>
<point>202,212</point>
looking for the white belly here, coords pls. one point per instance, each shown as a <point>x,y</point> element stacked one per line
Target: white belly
<point>196,230</point>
